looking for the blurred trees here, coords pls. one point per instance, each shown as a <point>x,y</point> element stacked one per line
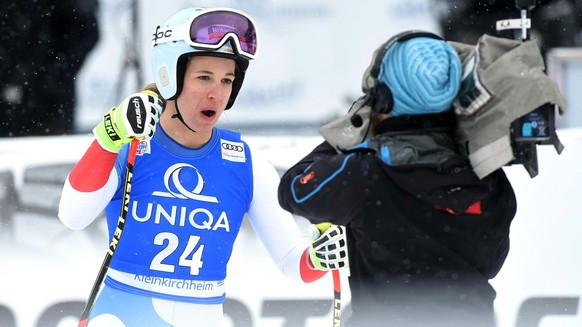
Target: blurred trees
<point>43,45</point>
<point>555,23</point>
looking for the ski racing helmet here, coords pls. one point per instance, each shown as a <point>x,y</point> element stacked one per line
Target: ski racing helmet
<point>220,32</point>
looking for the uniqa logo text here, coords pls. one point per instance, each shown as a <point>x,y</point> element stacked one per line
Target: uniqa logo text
<point>199,218</point>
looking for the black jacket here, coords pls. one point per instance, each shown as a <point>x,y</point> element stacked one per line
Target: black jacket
<point>424,233</point>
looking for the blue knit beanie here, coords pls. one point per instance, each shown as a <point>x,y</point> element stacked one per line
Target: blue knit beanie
<point>424,75</point>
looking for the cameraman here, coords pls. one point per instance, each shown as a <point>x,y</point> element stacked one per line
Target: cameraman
<point>424,233</point>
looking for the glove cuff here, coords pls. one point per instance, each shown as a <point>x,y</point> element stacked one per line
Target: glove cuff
<point>108,135</point>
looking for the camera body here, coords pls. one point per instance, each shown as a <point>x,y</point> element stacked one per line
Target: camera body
<point>535,128</point>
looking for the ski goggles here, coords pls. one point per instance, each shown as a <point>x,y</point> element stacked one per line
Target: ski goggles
<point>210,29</point>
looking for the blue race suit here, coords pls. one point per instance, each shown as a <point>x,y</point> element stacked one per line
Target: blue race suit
<point>185,211</point>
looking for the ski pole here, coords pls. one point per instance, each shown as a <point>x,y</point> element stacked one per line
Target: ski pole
<point>116,235</point>
<point>337,298</point>
<point>337,291</point>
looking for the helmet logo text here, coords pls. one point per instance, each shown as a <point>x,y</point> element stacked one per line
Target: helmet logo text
<point>160,34</point>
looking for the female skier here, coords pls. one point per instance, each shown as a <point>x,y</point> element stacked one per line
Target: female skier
<point>192,183</point>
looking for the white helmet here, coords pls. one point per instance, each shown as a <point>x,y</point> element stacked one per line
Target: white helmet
<point>218,32</point>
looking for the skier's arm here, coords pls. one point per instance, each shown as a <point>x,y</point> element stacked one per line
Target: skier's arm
<point>93,181</point>
<point>278,230</point>
<point>88,188</point>
<point>326,186</point>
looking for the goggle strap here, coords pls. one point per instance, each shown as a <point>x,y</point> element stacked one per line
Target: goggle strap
<point>169,34</point>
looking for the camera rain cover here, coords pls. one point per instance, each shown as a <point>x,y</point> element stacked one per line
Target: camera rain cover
<point>504,80</point>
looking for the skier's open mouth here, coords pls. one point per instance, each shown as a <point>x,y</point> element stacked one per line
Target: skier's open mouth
<point>209,113</point>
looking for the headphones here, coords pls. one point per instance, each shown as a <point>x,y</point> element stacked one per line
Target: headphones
<point>376,94</point>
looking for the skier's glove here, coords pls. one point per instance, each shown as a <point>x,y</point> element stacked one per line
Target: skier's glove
<point>328,250</point>
<point>135,117</point>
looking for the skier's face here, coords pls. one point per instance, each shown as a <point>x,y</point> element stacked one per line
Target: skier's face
<point>206,90</point>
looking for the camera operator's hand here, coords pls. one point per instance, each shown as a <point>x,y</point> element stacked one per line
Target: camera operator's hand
<point>135,117</point>
<point>328,250</point>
